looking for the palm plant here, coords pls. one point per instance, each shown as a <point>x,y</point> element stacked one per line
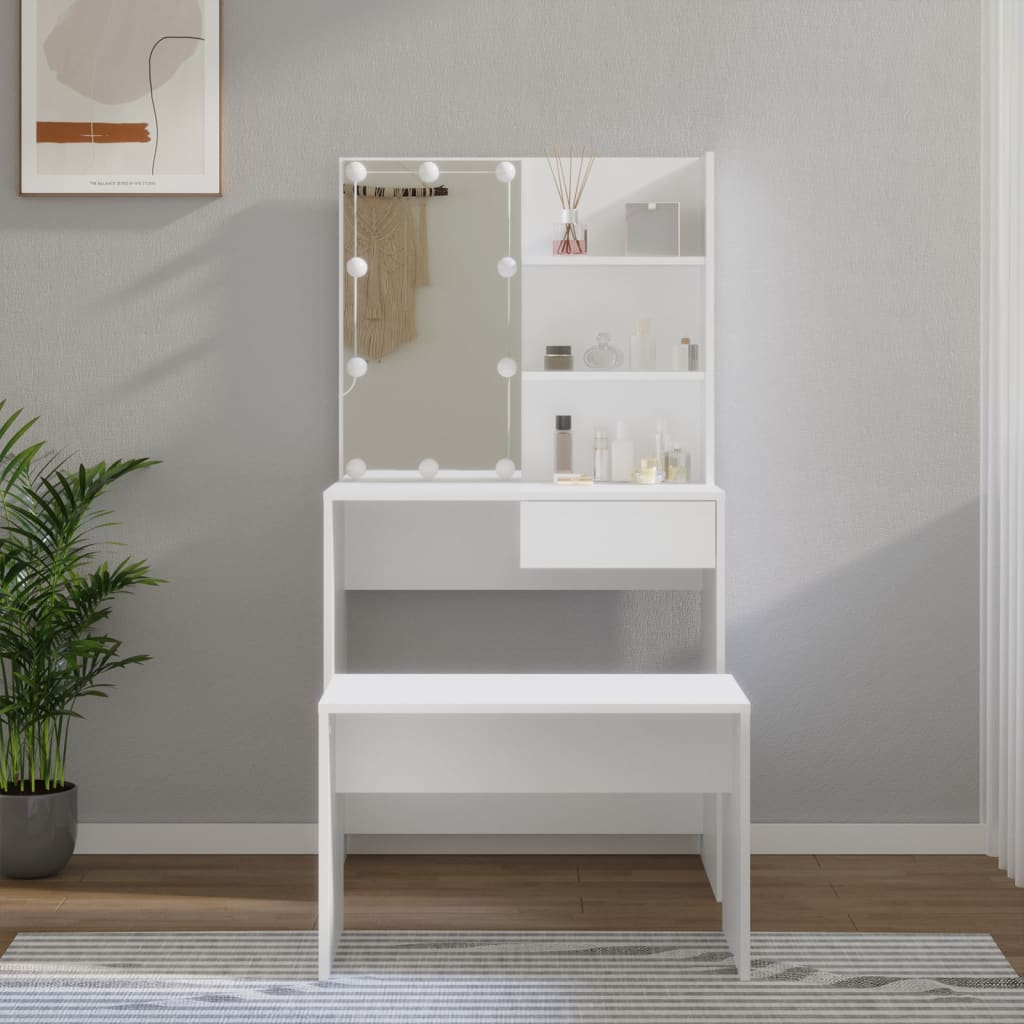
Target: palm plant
<point>56,593</point>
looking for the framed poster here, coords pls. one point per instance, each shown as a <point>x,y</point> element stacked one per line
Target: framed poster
<point>120,97</point>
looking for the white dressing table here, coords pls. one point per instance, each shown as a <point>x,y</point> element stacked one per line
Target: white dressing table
<point>605,738</point>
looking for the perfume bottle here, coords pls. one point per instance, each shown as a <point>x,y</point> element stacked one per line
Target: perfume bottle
<point>642,352</point>
<point>603,355</point>
<point>677,464</point>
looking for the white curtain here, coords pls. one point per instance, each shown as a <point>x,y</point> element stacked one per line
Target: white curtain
<point>1002,429</point>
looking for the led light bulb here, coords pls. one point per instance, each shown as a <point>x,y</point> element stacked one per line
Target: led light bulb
<point>355,468</point>
<point>429,172</point>
<point>505,468</point>
<point>429,469</point>
<point>357,267</point>
<point>507,267</point>
<point>357,367</point>
<point>505,171</point>
<point>355,172</point>
<point>507,367</point>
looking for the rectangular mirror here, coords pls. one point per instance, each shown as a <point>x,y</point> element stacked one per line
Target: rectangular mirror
<point>431,315</point>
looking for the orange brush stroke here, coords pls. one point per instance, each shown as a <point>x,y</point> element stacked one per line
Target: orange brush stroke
<point>90,131</point>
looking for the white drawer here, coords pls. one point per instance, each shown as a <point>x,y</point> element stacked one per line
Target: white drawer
<point>617,534</point>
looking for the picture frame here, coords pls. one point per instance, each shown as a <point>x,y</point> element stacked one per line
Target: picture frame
<point>120,98</point>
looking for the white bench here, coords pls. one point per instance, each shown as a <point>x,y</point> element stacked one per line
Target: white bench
<point>472,733</point>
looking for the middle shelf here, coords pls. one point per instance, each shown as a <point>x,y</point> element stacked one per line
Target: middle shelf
<point>566,376</point>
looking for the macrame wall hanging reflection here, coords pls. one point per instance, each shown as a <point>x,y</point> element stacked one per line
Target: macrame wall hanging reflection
<point>390,234</point>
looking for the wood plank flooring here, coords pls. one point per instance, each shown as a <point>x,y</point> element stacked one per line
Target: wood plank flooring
<point>798,893</point>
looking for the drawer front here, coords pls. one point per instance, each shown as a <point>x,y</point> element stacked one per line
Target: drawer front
<point>617,534</point>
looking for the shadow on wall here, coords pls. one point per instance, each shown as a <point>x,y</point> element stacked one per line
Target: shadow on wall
<point>847,658</point>
<point>226,371</point>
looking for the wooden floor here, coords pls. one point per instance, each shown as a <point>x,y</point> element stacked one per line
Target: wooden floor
<point>806,893</point>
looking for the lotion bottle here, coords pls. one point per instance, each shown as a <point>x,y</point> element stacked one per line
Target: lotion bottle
<point>622,454</point>
<point>642,351</point>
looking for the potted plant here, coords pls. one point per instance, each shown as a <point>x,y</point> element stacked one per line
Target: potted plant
<point>56,593</point>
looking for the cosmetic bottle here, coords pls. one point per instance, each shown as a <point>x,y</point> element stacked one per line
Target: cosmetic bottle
<point>622,454</point>
<point>661,447</point>
<point>602,458</point>
<point>681,355</point>
<point>563,444</point>
<point>642,352</point>
<point>677,464</point>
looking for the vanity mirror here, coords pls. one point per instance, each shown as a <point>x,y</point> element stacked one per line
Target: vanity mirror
<point>429,305</point>
<point>449,268</point>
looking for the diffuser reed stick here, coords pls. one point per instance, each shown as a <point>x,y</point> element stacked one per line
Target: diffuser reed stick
<point>570,180</point>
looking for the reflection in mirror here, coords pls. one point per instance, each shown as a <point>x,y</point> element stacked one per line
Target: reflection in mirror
<point>431,313</point>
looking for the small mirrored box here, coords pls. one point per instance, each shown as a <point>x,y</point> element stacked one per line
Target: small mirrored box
<point>652,229</point>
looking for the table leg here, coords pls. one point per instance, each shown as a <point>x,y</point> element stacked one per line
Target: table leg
<point>331,904</point>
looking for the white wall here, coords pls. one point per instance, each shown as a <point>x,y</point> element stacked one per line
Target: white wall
<point>204,332</point>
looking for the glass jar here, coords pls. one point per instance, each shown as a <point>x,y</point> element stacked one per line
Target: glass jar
<point>558,357</point>
<point>570,235</point>
<point>677,464</point>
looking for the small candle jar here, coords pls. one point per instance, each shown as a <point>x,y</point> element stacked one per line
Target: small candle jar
<point>647,473</point>
<point>558,357</point>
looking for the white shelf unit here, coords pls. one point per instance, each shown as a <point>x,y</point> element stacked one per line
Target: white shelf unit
<point>469,531</point>
<point>570,299</point>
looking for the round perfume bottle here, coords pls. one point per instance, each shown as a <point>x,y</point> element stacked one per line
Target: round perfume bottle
<point>603,355</point>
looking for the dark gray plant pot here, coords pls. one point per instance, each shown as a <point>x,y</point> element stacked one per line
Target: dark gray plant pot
<point>37,832</point>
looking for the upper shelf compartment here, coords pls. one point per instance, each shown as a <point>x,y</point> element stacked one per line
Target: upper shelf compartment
<point>616,261</point>
<point>614,183</point>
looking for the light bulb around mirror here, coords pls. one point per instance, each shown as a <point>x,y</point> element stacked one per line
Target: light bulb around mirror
<point>355,468</point>
<point>507,367</point>
<point>505,468</point>
<point>507,267</point>
<point>505,171</point>
<point>357,367</point>
<point>429,469</point>
<point>355,172</point>
<point>357,267</point>
<point>429,172</point>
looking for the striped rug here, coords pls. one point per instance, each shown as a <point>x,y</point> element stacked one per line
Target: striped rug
<point>534,977</point>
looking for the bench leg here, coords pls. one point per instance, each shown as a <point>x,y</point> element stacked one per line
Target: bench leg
<point>711,842</point>
<point>736,855</point>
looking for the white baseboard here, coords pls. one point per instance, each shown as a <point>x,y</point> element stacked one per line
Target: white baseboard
<point>301,838</point>
<point>870,839</point>
<point>195,838</point>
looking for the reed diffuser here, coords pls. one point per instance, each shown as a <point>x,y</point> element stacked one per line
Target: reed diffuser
<point>570,178</point>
